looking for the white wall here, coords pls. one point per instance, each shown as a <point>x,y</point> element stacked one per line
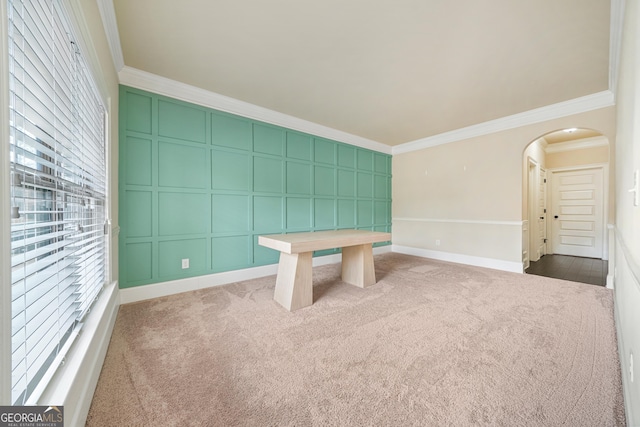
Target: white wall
<point>469,194</point>
<point>626,257</point>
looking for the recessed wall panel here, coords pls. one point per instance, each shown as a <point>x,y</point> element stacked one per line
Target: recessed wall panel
<point>365,185</point>
<point>230,170</point>
<point>138,116</point>
<point>298,146</point>
<point>298,178</point>
<point>138,161</point>
<point>138,262</point>
<point>298,213</point>
<point>324,213</point>
<point>346,156</point>
<point>365,160</point>
<point>182,166</point>
<point>324,151</point>
<point>365,213</point>
<point>172,252</point>
<point>180,121</point>
<point>346,213</point>
<point>181,214</point>
<point>267,175</point>
<point>138,214</point>
<point>229,131</point>
<point>346,183</point>
<point>324,181</point>
<point>380,187</point>
<point>267,214</point>
<point>268,139</point>
<point>230,213</point>
<point>381,212</point>
<point>262,255</point>
<point>381,163</point>
<point>229,253</point>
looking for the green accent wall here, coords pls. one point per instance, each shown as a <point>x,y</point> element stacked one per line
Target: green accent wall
<point>201,184</point>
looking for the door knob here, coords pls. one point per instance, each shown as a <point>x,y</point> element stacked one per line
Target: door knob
<point>555,216</point>
<point>541,217</point>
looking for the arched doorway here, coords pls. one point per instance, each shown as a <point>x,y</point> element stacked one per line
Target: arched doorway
<point>566,204</point>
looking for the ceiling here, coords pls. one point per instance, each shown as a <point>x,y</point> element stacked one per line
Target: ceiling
<point>389,71</point>
<point>568,135</point>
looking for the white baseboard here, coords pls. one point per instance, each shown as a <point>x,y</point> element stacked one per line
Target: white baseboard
<point>141,293</point>
<point>610,280</point>
<point>74,383</point>
<point>496,264</point>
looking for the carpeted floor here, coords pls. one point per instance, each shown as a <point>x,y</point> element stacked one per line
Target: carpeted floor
<point>430,344</point>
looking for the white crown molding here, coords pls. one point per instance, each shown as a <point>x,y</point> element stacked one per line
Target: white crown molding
<point>562,109</point>
<point>108,14</point>
<point>163,86</point>
<point>580,144</point>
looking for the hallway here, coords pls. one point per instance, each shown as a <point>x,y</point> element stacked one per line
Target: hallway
<point>585,270</point>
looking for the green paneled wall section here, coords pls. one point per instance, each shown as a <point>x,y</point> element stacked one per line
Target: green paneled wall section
<point>200,184</point>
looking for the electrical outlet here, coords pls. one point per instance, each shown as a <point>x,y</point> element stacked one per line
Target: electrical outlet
<point>185,263</point>
<point>437,242</point>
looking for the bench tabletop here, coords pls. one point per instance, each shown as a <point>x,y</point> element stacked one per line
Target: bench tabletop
<point>319,240</point>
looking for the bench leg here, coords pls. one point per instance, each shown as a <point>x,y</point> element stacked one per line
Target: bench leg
<point>294,288</point>
<point>357,265</point>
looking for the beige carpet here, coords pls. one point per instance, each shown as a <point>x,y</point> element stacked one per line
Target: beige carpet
<point>431,344</point>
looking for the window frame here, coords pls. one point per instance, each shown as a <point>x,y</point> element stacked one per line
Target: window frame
<point>107,300</point>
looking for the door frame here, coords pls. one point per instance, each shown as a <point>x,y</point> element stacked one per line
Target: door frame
<point>545,210</point>
<point>605,202</point>
<point>533,168</point>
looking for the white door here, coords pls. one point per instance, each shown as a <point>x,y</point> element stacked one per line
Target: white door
<point>577,206</point>
<point>542,212</point>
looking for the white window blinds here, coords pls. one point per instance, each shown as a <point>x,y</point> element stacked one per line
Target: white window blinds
<point>58,189</point>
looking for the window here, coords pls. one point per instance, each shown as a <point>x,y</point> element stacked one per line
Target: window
<point>58,190</point>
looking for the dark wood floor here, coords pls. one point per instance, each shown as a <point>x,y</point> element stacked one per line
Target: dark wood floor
<point>584,270</point>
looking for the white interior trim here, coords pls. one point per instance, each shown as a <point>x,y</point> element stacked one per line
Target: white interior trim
<point>460,221</point>
<point>5,221</point>
<point>605,202</point>
<point>562,109</point>
<point>496,264</point>
<point>611,238</point>
<point>75,381</point>
<point>628,270</point>
<point>580,144</point>
<point>108,14</point>
<point>163,86</point>
<point>156,290</point>
<point>626,393</point>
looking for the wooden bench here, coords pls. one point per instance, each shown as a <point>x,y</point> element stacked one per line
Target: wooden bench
<point>294,288</point>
